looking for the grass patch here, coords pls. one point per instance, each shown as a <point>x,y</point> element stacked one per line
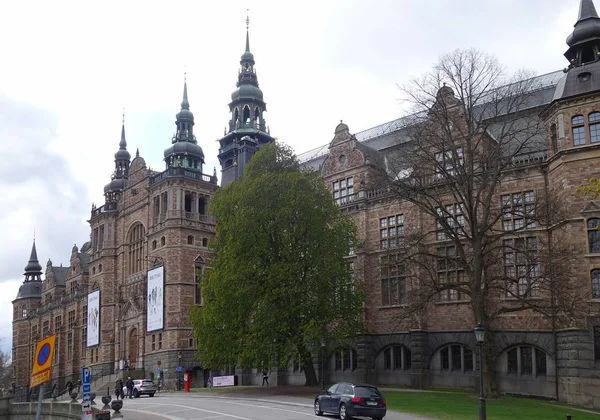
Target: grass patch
<point>464,406</point>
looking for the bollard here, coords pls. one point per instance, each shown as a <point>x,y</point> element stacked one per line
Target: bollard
<point>568,417</point>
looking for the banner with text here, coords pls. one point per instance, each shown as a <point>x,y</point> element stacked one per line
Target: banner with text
<point>93,319</point>
<point>155,307</point>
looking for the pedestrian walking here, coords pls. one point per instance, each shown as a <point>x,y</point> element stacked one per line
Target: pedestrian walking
<point>130,387</point>
<point>265,378</point>
<point>118,388</point>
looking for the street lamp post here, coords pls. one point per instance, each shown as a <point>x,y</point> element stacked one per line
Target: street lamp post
<point>179,371</point>
<point>480,338</point>
<point>323,363</point>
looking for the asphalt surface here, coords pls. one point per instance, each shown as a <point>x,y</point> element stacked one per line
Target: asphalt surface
<point>276,403</point>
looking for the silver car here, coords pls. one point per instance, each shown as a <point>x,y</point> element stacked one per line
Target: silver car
<point>142,387</point>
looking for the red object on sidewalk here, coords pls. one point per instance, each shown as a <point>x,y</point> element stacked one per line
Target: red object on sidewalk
<point>187,381</point>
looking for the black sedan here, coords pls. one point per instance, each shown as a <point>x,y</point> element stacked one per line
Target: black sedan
<point>347,400</point>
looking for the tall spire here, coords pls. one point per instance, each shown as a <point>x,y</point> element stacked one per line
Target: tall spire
<point>247,31</point>
<point>123,142</point>
<point>586,10</point>
<point>185,104</point>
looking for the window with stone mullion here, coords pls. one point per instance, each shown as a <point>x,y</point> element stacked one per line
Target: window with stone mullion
<point>577,124</point>
<point>521,267</point>
<point>393,282</point>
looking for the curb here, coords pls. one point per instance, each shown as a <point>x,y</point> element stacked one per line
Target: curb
<point>263,400</point>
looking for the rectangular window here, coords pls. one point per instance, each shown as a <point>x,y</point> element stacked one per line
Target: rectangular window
<point>448,162</point>
<point>397,357</point>
<point>84,331</point>
<point>159,341</point>
<point>518,211</point>
<point>450,221</point>
<point>391,232</point>
<point>597,343</point>
<point>521,267</point>
<point>526,361</point>
<point>578,136</point>
<point>540,363</point>
<point>57,323</point>
<point>387,359</point>
<point>343,190</point>
<point>512,367</point>
<point>34,332</point>
<point>46,327</point>
<point>445,358</point>
<point>456,358</point>
<point>594,133</point>
<point>449,273</point>
<point>346,354</point>
<point>153,341</point>
<point>468,358</point>
<point>71,320</point>
<point>393,281</point>
<point>70,345</point>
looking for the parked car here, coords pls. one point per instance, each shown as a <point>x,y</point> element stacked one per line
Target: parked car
<point>142,387</point>
<point>348,400</point>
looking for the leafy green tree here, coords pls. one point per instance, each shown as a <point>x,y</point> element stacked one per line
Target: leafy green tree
<point>591,190</point>
<point>280,281</point>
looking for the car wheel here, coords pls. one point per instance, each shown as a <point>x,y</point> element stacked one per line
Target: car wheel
<point>152,395</point>
<point>136,393</point>
<point>318,411</point>
<point>343,413</point>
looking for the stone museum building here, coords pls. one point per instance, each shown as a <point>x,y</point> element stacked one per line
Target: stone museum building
<point>159,221</point>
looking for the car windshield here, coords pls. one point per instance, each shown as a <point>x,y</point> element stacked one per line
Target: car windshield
<point>366,391</point>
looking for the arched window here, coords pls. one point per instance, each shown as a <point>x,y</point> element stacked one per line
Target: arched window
<point>190,240</point>
<point>594,123</point>
<point>154,244</point>
<point>596,284</point>
<point>246,114</point>
<point>100,268</point>
<point>454,358</point>
<point>163,241</point>
<point>578,130</point>
<point>136,249</point>
<point>593,226</point>
<point>526,360</point>
<point>204,242</point>
<point>236,115</point>
<point>93,270</point>
<point>397,358</point>
<point>346,359</point>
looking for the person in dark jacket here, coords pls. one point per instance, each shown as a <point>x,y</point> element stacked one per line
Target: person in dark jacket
<point>130,387</point>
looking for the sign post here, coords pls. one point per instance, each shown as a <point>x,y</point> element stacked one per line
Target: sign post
<point>86,388</point>
<point>42,368</point>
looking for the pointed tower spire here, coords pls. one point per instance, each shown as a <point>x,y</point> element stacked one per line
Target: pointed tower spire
<point>185,104</point>
<point>584,42</point>
<point>587,10</point>
<point>247,31</point>
<point>123,142</point>
<point>33,269</point>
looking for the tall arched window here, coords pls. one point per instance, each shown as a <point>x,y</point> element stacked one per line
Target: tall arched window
<point>594,122</point>
<point>553,139</point>
<point>578,130</point>
<point>594,234</point>
<point>136,249</point>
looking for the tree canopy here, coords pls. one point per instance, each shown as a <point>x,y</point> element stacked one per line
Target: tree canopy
<point>280,280</point>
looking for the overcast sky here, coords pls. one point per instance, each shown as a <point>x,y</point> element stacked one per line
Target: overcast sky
<point>69,68</point>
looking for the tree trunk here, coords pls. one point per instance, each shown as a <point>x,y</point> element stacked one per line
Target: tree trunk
<point>309,367</point>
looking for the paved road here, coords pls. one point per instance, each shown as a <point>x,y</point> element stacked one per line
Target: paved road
<point>204,407</point>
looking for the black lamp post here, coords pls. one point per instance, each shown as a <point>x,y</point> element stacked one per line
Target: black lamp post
<point>179,371</point>
<point>323,363</point>
<point>480,337</point>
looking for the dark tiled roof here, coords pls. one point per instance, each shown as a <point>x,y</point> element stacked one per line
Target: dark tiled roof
<point>390,134</point>
<point>60,275</point>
